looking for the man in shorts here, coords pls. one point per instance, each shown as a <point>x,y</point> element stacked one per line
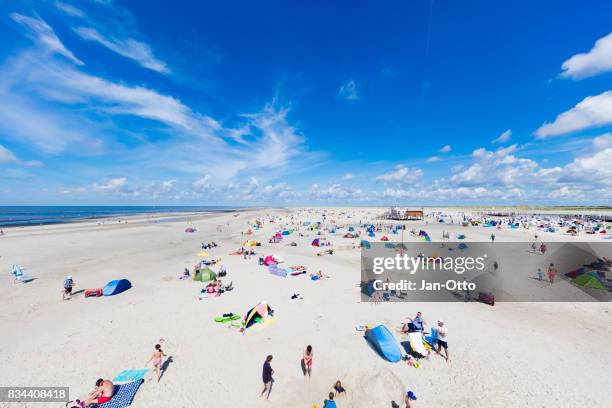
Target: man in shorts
<point>443,339</point>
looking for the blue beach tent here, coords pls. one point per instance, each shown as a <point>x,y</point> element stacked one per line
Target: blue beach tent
<point>381,339</point>
<point>116,286</point>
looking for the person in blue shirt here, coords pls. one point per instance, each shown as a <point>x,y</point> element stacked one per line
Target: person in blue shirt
<point>329,403</point>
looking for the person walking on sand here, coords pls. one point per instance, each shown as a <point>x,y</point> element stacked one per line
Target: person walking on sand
<point>267,377</point>
<point>68,284</point>
<point>492,237</point>
<point>543,248</point>
<point>443,339</point>
<point>552,273</point>
<point>307,362</point>
<point>157,358</point>
<point>540,274</point>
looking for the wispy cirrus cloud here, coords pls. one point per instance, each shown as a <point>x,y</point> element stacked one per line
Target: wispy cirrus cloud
<point>69,9</point>
<point>503,138</point>
<point>8,157</point>
<point>127,47</point>
<point>349,90</point>
<point>45,36</point>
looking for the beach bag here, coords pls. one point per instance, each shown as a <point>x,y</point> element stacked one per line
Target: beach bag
<point>93,292</point>
<point>485,297</point>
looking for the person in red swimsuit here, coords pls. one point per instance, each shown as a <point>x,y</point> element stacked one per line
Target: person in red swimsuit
<point>103,393</point>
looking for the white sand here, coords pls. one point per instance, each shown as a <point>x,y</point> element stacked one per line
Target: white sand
<point>513,354</point>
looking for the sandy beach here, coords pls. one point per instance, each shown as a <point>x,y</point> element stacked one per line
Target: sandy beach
<point>512,354</point>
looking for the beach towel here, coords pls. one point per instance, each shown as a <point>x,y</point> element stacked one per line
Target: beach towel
<point>123,396</point>
<point>130,375</point>
<point>416,343</point>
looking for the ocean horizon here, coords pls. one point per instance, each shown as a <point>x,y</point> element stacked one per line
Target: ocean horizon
<point>19,216</point>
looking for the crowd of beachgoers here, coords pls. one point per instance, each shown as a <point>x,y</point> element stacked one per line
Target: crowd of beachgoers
<point>234,308</point>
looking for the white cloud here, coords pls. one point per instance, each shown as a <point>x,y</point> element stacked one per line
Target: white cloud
<point>69,9</point>
<point>44,35</point>
<point>202,183</point>
<point>348,176</point>
<point>434,159</point>
<point>595,168</point>
<point>401,174</point>
<point>596,61</point>
<point>8,157</point>
<point>73,190</point>
<point>117,185</point>
<point>592,111</point>
<point>349,90</point>
<point>503,138</point>
<point>337,192</point>
<point>126,47</point>
<point>445,149</point>
<point>168,185</point>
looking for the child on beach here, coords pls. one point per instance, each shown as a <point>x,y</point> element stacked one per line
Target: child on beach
<point>330,403</point>
<point>409,398</point>
<point>157,358</point>
<point>552,273</point>
<point>339,389</point>
<point>307,362</point>
<point>540,274</point>
<point>68,284</point>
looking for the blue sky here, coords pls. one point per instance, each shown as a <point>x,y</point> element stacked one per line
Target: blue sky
<point>291,103</point>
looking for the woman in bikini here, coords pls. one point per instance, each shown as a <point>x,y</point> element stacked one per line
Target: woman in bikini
<point>157,358</point>
<point>307,362</point>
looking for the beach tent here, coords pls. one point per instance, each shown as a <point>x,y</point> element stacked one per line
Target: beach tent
<point>381,339</point>
<point>349,235</point>
<point>116,286</point>
<point>384,238</point>
<point>351,229</point>
<point>190,229</point>
<point>315,242</point>
<point>285,232</point>
<point>205,275</point>
<point>371,234</point>
<point>575,273</point>
<point>278,236</point>
<point>424,236</point>
<point>365,244</point>
<point>590,280</point>
<point>257,314</point>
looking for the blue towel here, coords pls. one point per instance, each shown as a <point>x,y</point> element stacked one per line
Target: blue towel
<point>130,375</point>
<point>123,396</point>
